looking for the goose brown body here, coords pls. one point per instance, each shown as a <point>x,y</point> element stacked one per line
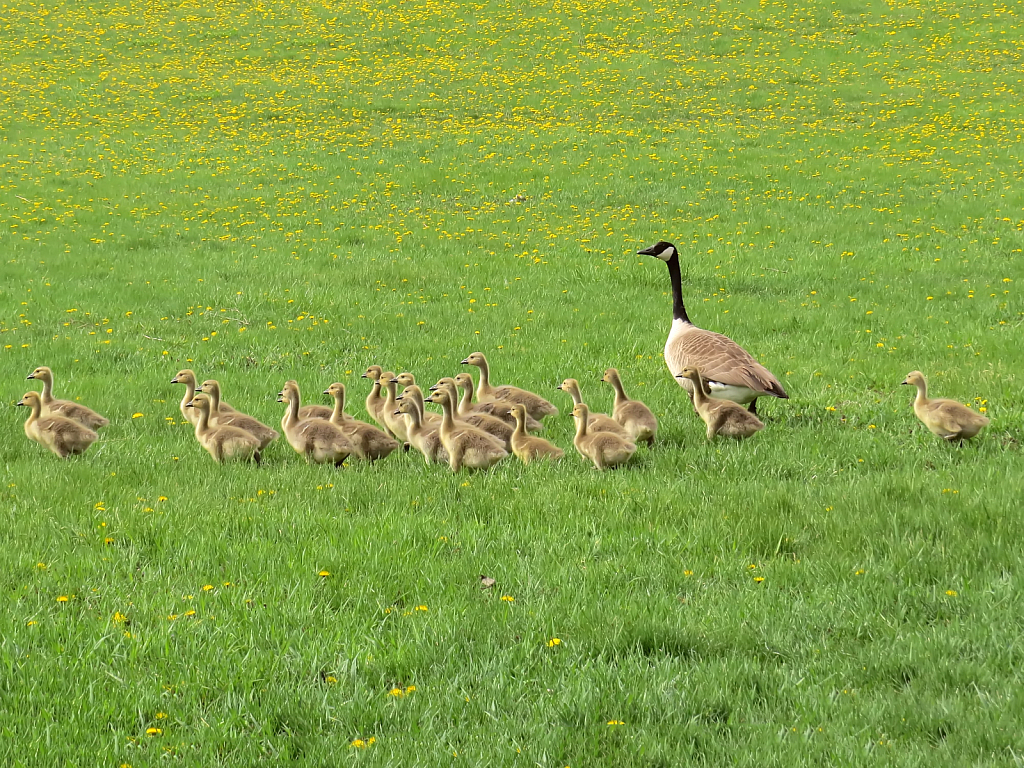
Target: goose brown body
<point>730,371</point>
<point>527,447</point>
<point>187,377</point>
<point>368,442</point>
<point>535,405</point>
<point>598,422</point>
<point>222,441</point>
<point>69,409</point>
<point>425,438</point>
<point>635,417</point>
<point>61,435</point>
<point>317,440</point>
<point>466,446</point>
<point>948,419</point>
<point>721,417</point>
<point>266,435</point>
<point>605,449</point>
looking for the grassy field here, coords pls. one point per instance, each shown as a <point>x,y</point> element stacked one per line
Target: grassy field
<point>271,190</point>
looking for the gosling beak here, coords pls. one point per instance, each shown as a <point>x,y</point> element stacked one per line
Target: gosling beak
<point>465,362</point>
<point>434,388</point>
<point>325,392</point>
<point>190,404</point>
<point>392,381</point>
<point>904,382</point>
<point>173,381</point>
<point>30,376</point>
<point>396,413</point>
<point>280,398</point>
<point>559,387</point>
<point>365,376</point>
<point>20,402</point>
<point>399,397</point>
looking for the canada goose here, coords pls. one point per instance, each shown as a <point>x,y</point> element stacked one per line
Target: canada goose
<point>948,419</point>
<point>722,417</point>
<point>730,371</point>
<point>66,408</point>
<point>496,408</point>
<point>318,440</point>
<point>536,405</point>
<point>605,449</point>
<point>465,445</point>
<point>424,438</point>
<point>597,422</point>
<point>393,425</point>
<point>414,393</point>
<point>368,442</point>
<point>63,436</point>
<point>187,377</point>
<point>255,427</point>
<point>481,421</point>
<point>311,411</point>
<point>222,441</point>
<point>374,400</point>
<point>631,414</point>
<point>528,448</point>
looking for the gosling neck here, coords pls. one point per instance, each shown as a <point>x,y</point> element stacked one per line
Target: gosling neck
<point>574,393</point>
<point>466,403</point>
<point>190,392</point>
<point>203,422</point>
<point>339,407</point>
<point>447,420</point>
<point>291,413</point>
<point>34,412</point>
<point>699,398</point>
<point>921,398</point>
<point>214,395</point>
<point>520,426</point>
<point>485,376</point>
<point>620,393</point>
<point>47,393</point>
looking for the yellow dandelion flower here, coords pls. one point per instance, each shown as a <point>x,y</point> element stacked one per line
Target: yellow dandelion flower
<point>553,642</point>
<point>154,731</point>
<point>62,599</point>
<point>324,573</point>
<point>951,592</point>
<point>508,598</point>
<point>138,415</point>
<point>615,722</point>
<point>758,579</point>
<point>207,587</point>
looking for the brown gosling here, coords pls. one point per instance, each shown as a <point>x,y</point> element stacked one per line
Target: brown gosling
<point>948,419</point>
<point>374,400</point>
<point>466,445</point>
<point>370,443</point>
<point>266,435</point>
<point>414,393</point>
<point>536,405</point>
<point>527,447</point>
<point>599,422</point>
<point>63,436</point>
<point>483,422</point>
<point>393,425</point>
<point>317,440</point>
<point>187,377</point>
<point>68,409</point>
<point>425,438</point>
<point>722,417</point>
<point>605,449</point>
<point>311,411</point>
<point>496,408</point>
<point>222,441</point>
<point>633,415</point>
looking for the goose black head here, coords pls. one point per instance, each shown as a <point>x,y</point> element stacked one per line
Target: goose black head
<point>662,250</point>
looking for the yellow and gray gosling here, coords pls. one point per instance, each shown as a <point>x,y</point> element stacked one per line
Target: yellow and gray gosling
<point>187,377</point>
<point>223,441</point>
<point>393,425</point>
<point>635,417</point>
<point>85,416</point>
<point>374,400</point>
<point>414,393</point>
<point>481,421</point>
<point>466,446</point>
<point>527,447</point>
<point>605,449</point>
<point>722,417</point>
<point>368,442</point>
<point>61,435</point>
<point>948,419</point>
<point>535,405</point>
<point>311,411</point>
<point>499,409</point>
<point>425,438</point>
<point>317,440</point>
<point>599,422</point>
<point>266,435</point>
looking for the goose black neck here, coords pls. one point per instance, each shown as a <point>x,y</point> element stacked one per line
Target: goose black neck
<point>678,310</point>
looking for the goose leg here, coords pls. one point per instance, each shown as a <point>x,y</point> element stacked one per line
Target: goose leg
<point>752,408</point>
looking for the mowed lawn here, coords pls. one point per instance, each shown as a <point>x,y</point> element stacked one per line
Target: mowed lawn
<point>264,191</point>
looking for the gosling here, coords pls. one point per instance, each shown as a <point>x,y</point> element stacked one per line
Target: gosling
<point>317,440</point>
<point>948,419</point>
<point>483,422</point>
<point>63,436</point>
<point>425,438</point>
<point>68,409</point>
<point>722,417</point>
<point>599,422</point>
<point>466,445</point>
<point>496,408</point>
<point>187,377</point>
<point>605,449</point>
<point>368,442</point>
<point>374,400</point>
<point>536,405</point>
<point>223,441</point>
<point>313,410</point>
<point>635,417</point>
<point>266,435</point>
<point>528,448</point>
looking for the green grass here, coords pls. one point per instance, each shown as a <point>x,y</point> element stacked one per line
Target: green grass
<point>285,191</point>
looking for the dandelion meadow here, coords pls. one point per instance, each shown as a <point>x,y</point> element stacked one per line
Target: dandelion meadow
<point>264,191</point>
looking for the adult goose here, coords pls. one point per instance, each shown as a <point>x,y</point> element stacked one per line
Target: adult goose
<point>729,371</point>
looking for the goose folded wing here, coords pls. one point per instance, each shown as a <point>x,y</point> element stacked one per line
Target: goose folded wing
<point>721,359</point>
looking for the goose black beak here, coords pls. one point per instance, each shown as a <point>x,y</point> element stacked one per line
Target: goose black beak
<point>647,251</point>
